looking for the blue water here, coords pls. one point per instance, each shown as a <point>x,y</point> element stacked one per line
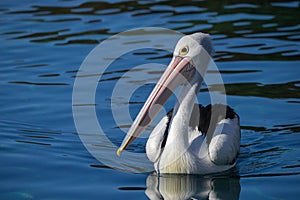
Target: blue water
<point>43,44</point>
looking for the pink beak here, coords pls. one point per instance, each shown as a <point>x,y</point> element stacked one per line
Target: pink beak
<point>158,97</point>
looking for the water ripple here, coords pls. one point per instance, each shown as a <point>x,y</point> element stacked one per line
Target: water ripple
<point>44,42</point>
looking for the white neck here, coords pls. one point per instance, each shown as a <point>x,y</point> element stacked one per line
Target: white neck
<point>178,132</point>
<point>173,158</point>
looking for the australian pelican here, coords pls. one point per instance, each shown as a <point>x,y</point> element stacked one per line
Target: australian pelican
<point>191,139</point>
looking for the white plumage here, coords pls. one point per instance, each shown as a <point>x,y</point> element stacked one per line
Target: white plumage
<point>192,139</point>
<point>198,157</point>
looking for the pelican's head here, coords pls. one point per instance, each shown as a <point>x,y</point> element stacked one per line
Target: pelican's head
<point>191,56</point>
<point>196,49</point>
<point>191,45</point>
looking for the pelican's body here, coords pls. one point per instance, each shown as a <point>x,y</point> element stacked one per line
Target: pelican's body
<point>203,154</point>
<point>191,139</point>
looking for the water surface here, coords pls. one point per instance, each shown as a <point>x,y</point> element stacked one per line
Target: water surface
<point>43,44</point>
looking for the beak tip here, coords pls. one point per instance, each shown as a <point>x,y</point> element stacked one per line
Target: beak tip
<point>119,151</point>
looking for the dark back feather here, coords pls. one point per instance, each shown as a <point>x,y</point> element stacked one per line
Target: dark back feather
<point>205,119</point>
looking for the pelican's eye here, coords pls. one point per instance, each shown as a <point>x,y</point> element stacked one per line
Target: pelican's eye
<point>184,50</point>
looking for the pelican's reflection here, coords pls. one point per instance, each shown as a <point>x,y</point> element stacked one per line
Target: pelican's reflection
<point>192,187</point>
